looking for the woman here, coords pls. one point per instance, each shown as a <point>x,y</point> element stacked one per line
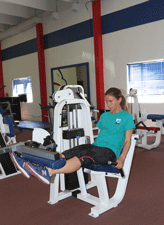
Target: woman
<point>112,144</point>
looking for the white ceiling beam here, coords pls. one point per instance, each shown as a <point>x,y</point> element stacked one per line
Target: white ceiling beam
<point>64,5</point>
<point>6,19</point>
<point>75,7</point>
<point>46,5</point>
<point>67,0</point>
<point>16,10</point>
<point>28,24</point>
<point>1,27</point>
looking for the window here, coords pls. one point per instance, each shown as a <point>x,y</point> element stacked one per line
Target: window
<point>23,86</point>
<point>148,79</point>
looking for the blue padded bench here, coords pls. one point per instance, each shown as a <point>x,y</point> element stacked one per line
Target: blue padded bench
<point>155,117</point>
<point>103,168</point>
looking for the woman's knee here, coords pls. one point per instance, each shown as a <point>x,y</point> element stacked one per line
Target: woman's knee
<point>62,156</point>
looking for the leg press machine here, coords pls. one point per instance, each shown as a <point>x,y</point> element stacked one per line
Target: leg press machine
<point>79,118</point>
<point>73,126</point>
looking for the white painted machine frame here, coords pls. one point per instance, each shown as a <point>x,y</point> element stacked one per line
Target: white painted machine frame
<point>103,202</point>
<point>144,134</point>
<point>4,129</point>
<point>142,117</point>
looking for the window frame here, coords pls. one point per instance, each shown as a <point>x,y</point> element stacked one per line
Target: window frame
<point>16,82</point>
<point>147,98</point>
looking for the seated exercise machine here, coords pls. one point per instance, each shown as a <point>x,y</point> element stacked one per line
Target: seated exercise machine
<point>7,137</point>
<point>73,126</point>
<point>143,130</point>
<point>6,124</point>
<point>79,131</point>
<point>42,152</point>
<point>29,149</point>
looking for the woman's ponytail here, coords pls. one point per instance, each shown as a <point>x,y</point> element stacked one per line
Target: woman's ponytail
<point>123,104</point>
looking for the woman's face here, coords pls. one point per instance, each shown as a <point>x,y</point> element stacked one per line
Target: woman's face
<point>113,104</point>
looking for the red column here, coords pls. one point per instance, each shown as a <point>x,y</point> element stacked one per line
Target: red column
<point>2,92</point>
<point>42,70</point>
<point>97,34</point>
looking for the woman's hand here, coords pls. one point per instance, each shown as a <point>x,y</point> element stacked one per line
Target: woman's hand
<point>120,162</point>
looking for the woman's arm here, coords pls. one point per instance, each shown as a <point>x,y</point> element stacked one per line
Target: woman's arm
<point>120,160</point>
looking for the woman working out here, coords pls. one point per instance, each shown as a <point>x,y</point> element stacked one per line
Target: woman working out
<point>112,144</point>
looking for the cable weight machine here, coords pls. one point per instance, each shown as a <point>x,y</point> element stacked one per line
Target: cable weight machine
<point>72,125</point>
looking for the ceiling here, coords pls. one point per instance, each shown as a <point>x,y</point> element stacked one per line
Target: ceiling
<point>19,15</point>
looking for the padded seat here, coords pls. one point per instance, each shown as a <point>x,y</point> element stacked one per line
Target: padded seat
<point>148,128</point>
<point>155,117</point>
<point>103,168</point>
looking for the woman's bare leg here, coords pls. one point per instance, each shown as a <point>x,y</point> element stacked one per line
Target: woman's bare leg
<point>71,166</point>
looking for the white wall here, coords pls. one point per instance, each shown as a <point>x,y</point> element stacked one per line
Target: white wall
<point>19,38</point>
<point>141,43</point>
<point>24,66</point>
<point>69,54</point>
<point>68,18</point>
<point>72,53</point>
<point>136,44</point>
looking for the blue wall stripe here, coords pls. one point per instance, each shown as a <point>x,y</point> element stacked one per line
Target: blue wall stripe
<point>67,35</point>
<point>144,13</point>
<point>24,48</point>
<point>70,34</point>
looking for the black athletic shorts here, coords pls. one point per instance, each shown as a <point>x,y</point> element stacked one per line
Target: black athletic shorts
<point>88,153</point>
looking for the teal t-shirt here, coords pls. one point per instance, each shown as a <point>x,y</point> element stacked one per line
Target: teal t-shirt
<point>112,130</point>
